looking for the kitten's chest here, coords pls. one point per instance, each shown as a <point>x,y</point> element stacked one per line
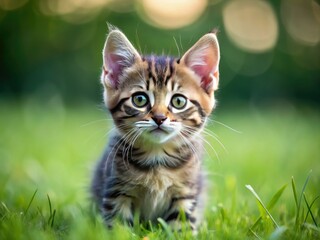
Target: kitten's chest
<point>153,193</point>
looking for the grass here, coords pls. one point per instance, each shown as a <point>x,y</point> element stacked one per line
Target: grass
<point>260,182</point>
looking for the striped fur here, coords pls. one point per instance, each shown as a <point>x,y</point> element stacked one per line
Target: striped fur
<point>159,104</point>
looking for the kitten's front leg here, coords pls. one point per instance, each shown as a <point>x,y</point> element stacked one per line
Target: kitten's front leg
<point>186,205</point>
<point>120,207</point>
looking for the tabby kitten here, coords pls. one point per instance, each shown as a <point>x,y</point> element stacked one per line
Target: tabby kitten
<point>159,105</point>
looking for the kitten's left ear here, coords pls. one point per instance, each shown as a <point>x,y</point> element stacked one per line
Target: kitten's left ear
<point>203,58</point>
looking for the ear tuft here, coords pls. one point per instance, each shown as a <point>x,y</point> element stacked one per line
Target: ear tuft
<point>203,58</point>
<point>118,54</point>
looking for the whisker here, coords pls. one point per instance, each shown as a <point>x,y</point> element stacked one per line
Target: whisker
<point>191,145</point>
<point>192,131</point>
<point>211,134</point>
<point>126,141</point>
<point>130,141</point>
<point>226,126</point>
<point>96,121</point>
<point>215,137</point>
<point>175,41</point>
<point>120,142</point>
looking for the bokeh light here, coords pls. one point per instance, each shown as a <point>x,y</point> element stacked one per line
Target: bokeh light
<point>12,4</point>
<point>251,24</point>
<point>302,20</point>
<point>264,44</point>
<point>171,14</point>
<point>74,11</point>
<point>121,6</point>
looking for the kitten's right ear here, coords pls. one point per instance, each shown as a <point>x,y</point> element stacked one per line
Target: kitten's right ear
<point>118,54</point>
<point>203,59</point>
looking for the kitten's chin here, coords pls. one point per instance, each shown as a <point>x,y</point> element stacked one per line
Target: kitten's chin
<point>159,136</point>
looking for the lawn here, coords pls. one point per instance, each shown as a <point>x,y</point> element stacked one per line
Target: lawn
<point>263,167</point>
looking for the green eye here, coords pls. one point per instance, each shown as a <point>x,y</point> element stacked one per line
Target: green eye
<point>140,100</point>
<point>178,101</point>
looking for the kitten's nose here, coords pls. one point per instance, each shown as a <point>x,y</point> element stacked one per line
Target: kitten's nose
<point>159,119</point>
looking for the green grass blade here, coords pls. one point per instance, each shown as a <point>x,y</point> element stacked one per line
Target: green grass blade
<point>4,211</point>
<point>52,218</point>
<point>255,223</point>
<point>249,187</point>
<point>52,213</point>
<point>30,202</point>
<point>255,234</point>
<point>50,206</point>
<point>276,197</point>
<point>309,210</point>
<point>300,198</point>
<point>271,204</point>
<point>304,188</point>
<point>166,228</point>
<point>312,227</point>
<point>278,233</point>
<point>5,207</point>
<point>294,190</point>
<point>50,210</point>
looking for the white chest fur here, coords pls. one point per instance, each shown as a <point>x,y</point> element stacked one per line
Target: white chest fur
<point>154,193</point>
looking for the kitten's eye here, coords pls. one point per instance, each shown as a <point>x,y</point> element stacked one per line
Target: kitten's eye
<point>140,100</point>
<point>178,101</point>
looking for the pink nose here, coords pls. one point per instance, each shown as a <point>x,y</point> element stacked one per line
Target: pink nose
<point>159,119</point>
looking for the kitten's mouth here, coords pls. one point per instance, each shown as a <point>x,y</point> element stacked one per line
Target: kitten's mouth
<point>158,130</point>
<point>159,135</point>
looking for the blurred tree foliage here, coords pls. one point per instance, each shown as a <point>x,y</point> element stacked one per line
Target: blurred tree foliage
<point>45,55</point>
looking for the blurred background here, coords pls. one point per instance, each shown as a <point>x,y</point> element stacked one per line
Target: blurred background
<point>270,49</point>
<point>264,131</point>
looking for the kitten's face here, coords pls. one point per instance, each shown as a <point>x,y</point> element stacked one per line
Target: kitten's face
<point>158,100</point>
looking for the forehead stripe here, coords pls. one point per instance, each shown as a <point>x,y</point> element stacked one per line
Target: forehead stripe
<point>169,70</point>
<point>160,68</point>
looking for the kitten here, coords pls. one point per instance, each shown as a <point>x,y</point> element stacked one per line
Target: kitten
<point>159,105</point>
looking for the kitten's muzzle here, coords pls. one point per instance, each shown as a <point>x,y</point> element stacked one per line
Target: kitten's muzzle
<point>158,130</point>
<point>159,119</point>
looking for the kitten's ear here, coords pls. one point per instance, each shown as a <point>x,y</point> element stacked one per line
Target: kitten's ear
<point>118,54</point>
<point>203,58</point>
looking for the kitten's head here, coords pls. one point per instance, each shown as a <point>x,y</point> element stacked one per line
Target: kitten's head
<point>159,99</point>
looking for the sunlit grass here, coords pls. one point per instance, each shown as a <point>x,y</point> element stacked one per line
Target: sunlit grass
<point>47,152</point>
